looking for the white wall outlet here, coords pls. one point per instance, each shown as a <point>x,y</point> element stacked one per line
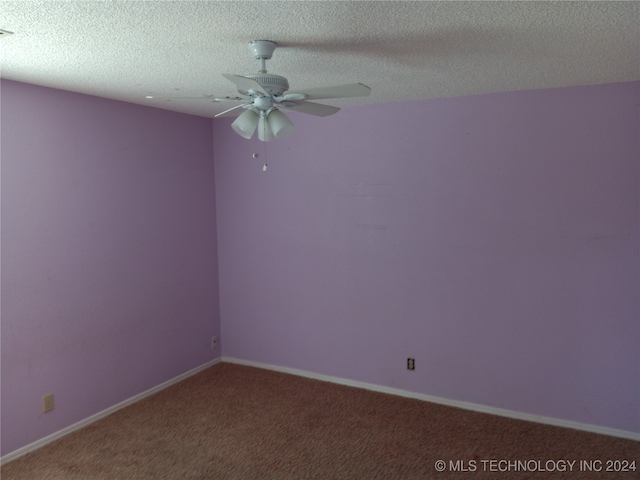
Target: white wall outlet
<point>214,342</point>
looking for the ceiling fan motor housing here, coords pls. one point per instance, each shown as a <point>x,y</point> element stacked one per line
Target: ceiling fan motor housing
<point>273,84</point>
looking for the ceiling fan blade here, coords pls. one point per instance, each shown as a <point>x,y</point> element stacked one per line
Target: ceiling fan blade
<point>245,85</point>
<point>337,91</point>
<point>221,114</point>
<point>311,108</point>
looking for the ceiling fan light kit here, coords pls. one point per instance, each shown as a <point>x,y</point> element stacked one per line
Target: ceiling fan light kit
<point>279,123</point>
<point>265,133</point>
<point>265,94</point>
<point>246,124</point>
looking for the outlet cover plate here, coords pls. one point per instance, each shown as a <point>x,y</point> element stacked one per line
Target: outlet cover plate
<point>47,403</point>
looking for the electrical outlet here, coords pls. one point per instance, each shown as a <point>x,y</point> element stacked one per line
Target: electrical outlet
<point>47,403</point>
<point>411,363</point>
<point>214,342</point>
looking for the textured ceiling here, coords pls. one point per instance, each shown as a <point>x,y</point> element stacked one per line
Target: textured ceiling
<point>126,50</point>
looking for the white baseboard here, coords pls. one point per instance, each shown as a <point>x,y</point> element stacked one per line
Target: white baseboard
<point>444,401</point>
<point>327,378</point>
<point>93,418</point>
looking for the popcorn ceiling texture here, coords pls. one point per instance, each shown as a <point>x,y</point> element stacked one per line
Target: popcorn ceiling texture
<point>126,50</point>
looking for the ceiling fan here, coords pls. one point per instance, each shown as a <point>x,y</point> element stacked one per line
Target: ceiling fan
<point>264,94</point>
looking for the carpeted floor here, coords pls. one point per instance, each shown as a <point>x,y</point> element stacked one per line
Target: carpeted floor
<point>233,422</point>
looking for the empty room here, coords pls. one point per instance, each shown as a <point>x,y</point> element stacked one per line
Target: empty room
<point>319,240</point>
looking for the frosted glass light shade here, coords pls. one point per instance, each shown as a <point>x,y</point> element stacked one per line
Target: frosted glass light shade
<point>264,130</point>
<point>246,124</point>
<point>279,123</point>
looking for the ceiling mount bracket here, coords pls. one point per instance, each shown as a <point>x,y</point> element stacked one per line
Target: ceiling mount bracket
<point>262,50</point>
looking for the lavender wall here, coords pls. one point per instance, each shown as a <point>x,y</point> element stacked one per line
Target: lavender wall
<point>493,238</point>
<point>109,268</point>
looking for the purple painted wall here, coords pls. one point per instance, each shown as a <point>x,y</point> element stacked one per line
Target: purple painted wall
<point>109,268</point>
<point>493,238</point>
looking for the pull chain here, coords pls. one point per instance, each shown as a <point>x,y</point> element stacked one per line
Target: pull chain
<point>264,135</point>
<point>256,155</point>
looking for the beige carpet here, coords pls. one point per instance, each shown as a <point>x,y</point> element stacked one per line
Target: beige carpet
<point>232,422</point>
